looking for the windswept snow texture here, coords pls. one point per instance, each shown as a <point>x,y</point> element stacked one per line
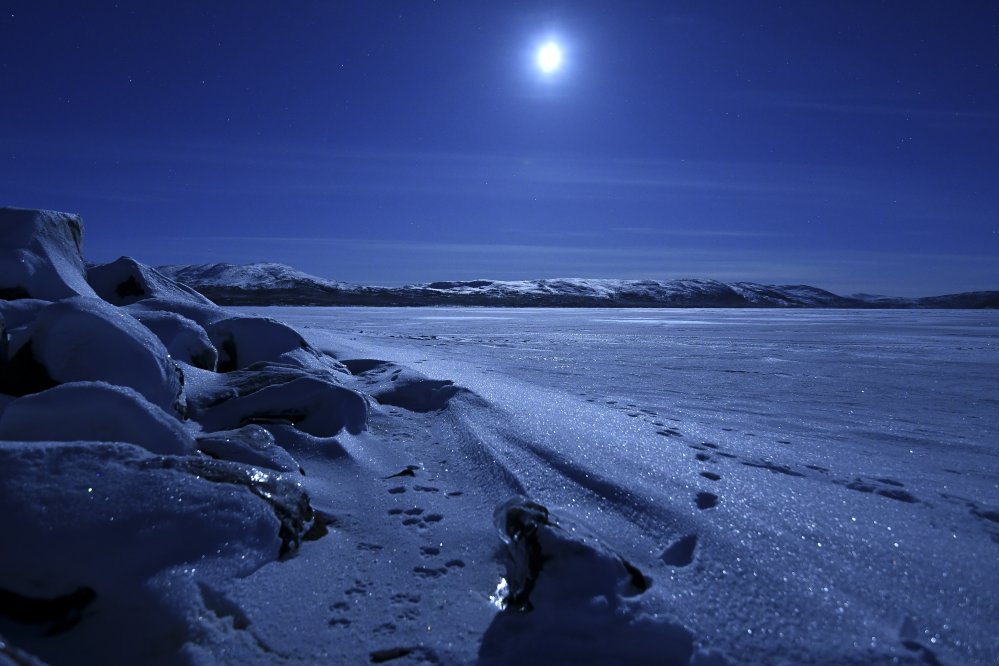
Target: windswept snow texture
<point>277,284</point>
<point>795,486</point>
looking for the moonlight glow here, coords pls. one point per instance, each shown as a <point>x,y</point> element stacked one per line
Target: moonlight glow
<point>549,57</point>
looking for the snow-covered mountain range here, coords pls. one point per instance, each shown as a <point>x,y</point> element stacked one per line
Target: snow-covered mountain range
<point>278,284</point>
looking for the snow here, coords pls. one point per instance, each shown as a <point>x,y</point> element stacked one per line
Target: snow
<point>831,475</point>
<point>277,284</point>
<point>86,339</point>
<point>126,281</point>
<point>252,444</point>
<point>94,411</point>
<point>183,338</point>
<point>40,255</point>
<point>140,534</point>
<point>314,406</point>
<point>501,486</point>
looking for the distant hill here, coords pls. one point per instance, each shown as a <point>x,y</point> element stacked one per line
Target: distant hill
<point>278,284</point>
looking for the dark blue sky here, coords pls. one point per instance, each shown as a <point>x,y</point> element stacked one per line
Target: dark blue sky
<point>849,145</point>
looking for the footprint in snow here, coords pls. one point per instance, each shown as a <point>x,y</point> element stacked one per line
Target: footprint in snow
<point>706,500</point>
<point>681,552</point>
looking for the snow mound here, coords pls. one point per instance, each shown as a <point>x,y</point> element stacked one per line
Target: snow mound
<point>243,341</point>
<point>142,531</point>
<point>40,255</point>
<point>566,599</point>
<point>183,338</point>
<point>203,315</point>
<point>94,411</point>
<point>392,384</point>
<point>86,339</point>
<point>251,444</point>
<point>312,405</point>
<point>18,314</point>
<point>125,281</point>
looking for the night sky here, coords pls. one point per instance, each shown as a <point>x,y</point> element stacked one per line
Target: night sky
<point>849,145</point>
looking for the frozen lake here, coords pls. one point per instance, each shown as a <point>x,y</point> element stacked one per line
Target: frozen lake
<point>837,471</point>
<point>897,383</point>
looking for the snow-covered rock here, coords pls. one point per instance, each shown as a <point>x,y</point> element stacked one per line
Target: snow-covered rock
<point>183,338</point>
<point>567,599</point>
<point>96,411</point>
<point>18,314</point>
<point>40,255</point>
<point>86,339</point>
<point>393,384</point>
<point>203,314</point>
<point>251,444</point>
<point>126,281</point>
<point>127,537</point>
<point>243,341</point>
<point>313,405</point>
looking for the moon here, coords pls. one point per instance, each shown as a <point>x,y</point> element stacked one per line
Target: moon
<point>549,57</point>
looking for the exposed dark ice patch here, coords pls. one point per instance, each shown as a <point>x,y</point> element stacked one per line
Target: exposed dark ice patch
<point>703,457</point>
<point>705,500</point>
<point>681,552</point>
<point>430,551</point>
